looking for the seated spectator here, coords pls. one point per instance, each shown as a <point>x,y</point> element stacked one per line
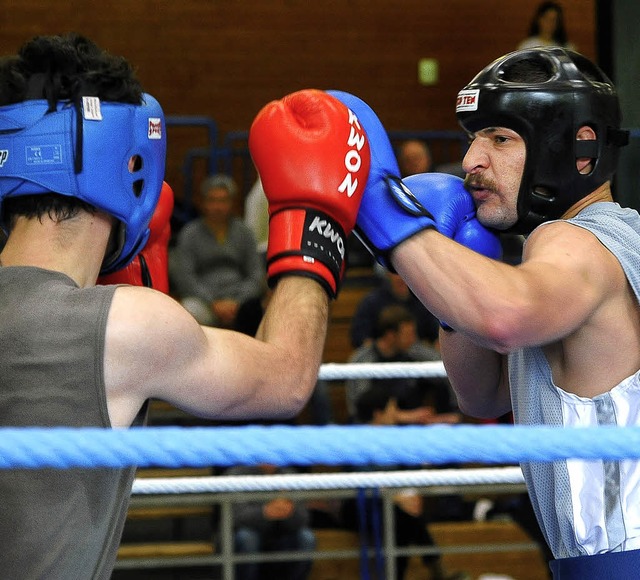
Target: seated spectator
<point>419,400</point>
<point>392,291</point>
<point>379,407</point>
<point>215,265</point>
<point>277,524</point>
<point>414,156</point>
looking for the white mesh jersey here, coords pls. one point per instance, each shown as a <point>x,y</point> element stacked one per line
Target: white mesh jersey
<point>584,507</point>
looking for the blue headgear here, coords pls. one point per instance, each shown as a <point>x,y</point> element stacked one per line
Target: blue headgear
<point>110,155</point>
<point>570,92</point>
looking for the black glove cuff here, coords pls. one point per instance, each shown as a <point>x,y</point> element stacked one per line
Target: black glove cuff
<point>322,239</point>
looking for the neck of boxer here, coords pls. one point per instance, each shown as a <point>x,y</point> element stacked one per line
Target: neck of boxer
<point>602,193</point>
<point>75,247</point>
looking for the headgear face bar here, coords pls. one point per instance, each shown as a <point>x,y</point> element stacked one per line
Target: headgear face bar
<point>112,156</point>
<point>570,92</point>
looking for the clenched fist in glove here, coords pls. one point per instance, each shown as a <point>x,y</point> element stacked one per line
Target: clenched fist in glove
<point>150,267</point>
<point>313,159</point>
<point>444,198</point>
<point>451,206</point>
<point>393,210</point>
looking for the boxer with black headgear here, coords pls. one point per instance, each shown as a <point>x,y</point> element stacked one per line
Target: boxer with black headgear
<point>82,154</point>
<point>556,338</point>
<point>567,92</point>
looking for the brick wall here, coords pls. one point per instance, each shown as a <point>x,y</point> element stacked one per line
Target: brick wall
<point>226,58</point>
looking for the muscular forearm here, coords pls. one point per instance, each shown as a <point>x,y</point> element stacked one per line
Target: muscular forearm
<point>476,376</point>
<point>295,322</point>
<point>470,292</point>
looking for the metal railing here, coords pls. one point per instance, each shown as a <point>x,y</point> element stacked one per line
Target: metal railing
<point>227,559</point>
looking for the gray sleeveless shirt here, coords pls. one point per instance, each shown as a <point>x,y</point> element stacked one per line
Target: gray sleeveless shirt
<point>584,507</point>
<point>56,524</point>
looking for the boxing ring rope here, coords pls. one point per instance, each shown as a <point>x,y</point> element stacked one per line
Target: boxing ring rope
<point>65,448</point>
<point>305,445</point>
<point>399,370</point>
<point>332,445</point>
<point>330,481</point>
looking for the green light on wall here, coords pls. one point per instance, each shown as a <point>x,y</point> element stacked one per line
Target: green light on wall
<point>428,71</point>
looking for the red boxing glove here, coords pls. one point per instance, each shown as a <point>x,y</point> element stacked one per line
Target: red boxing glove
<point>150,267</point>
<point>313,158</point>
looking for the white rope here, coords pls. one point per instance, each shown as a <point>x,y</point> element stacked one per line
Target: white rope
<point>335,371</point>
<point>399,370</point>
<point>415,478</point>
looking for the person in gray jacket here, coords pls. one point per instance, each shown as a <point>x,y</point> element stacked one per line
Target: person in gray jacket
<point>215,266</point>
<point>279,523</point>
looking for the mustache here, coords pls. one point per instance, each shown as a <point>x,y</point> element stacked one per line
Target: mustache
<point>479,182</point>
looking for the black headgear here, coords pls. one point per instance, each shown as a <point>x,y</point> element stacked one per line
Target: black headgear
<point>545,95</point>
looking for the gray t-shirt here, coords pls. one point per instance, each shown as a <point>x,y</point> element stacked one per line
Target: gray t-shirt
<point>56,524</point>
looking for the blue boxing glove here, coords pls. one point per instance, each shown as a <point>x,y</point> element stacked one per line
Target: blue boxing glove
<point>451,205</point>
<point>447,198</point>
<point>390,211</point>
<point>390,214</point>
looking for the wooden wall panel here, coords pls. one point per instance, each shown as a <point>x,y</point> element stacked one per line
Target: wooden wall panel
<point>226,58</point>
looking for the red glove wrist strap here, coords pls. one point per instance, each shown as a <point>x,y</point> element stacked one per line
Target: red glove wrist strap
<point>310,240</point>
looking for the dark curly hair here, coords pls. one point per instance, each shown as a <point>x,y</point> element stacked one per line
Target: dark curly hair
<point>66,67</point>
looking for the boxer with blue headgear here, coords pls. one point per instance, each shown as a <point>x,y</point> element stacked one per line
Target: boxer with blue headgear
<point>109,155</point>
<point>81,165</point>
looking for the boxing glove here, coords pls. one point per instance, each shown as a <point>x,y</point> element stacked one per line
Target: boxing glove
<point>453,210</point>
<point>383,185</point>
<point>313,159</point>
<point>150,267</point>
<point>389,213</point>
<point>393,210</point>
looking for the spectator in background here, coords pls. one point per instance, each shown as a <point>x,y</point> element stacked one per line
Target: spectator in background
<point>419,400</point>
<point>392,291</point>
<point>414,156</point>
<point>215,265</point>
<point>547,28</point>
<point>378,406</point>
<point>277,524</point>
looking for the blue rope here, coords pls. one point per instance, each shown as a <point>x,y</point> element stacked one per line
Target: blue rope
<point>61,447</point>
